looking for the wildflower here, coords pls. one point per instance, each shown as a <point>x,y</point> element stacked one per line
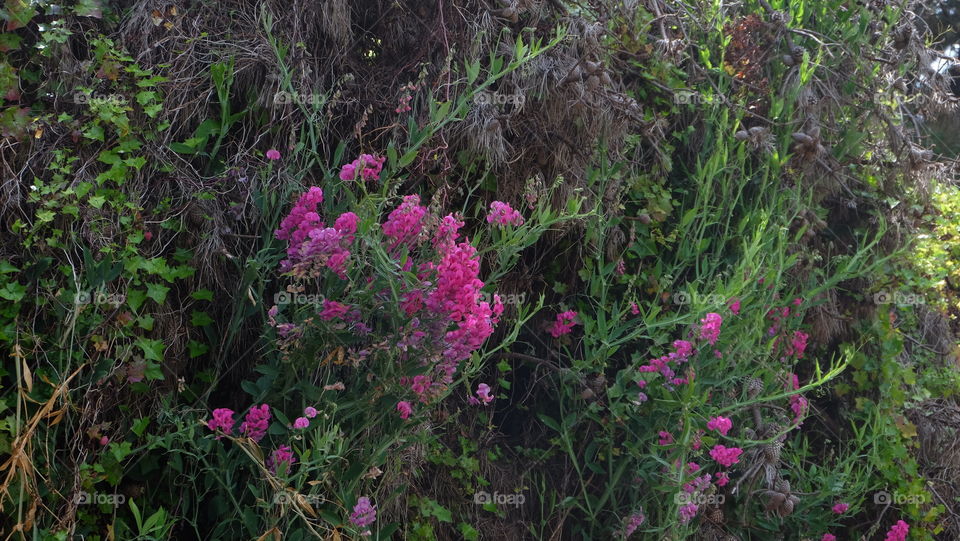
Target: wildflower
<point>256,422</point>
<point>281,455</point>
<point>301,422</point>
<point>666,438</point>
<point>687,512</point>
<point>502,214</point>
<point>369,168</point>
<point>720,424</point>
<point>726,456</point>
<point>364,514</point>
<point>405,409</point>
<point>621,268</point>
<point>798,344</point>
<point>634,309</point>
<point>828,537</point>
<point>710,327</point>
<point>634,521</point>
<point>310,412</point>
<point>841,508</point>
<point>735,307</point>
<point>404,224</point>
<point>563,324</point>
<point>222,420</point>
<point>333,309</point>
<point>483,393</point>
<point>273,154</point>
<point>898,532</point>
<point>722,479</point>
<point>104,441</point>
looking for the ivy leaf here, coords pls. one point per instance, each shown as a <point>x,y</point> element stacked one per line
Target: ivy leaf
<point>157,292</point>
<point>152,349</point>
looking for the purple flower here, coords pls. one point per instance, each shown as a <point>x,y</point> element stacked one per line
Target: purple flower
<point>222,420</point>
<point>310,412</point>
<point>710,327</point>
<point>281,456</point>
<point>301,422</point>
<point>273,154</point>
<point>563,324</point>
<point>364,514</point>
<point>726,456</point>
<point>503,214</point>
<point>720,424</point>
<point>483,393</point>
<point>256,422</point>
<point>405,409</point>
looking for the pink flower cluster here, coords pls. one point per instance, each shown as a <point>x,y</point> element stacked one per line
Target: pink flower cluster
<point>710,328</point>
<point>666,438</point>
<point>828,537</point>
<point>720,424</point>
<point>368,166</point>
<point>898,532</point>
<point>364,513</point>
<point>502,214</point>
<point>255,424</point>
<point>726,456</point>
<point>681,354</point>
<point>405,223</point>
<point>798,344</point>
<point>222,420</point>
<point>798,403</point>
<point>281,456</point>
<point>634,521</point>
<point>311,247</point>
<point>841,508</point>
<point>563,324</point>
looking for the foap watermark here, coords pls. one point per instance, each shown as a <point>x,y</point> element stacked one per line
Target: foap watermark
<point>285,297</point>
<point>297,98</point>
<point>687,97</point>
<point>698,498</point>
<point>882,497</point>
<point>898,298</point>
<point>508,298</point>
<point>99,297</point>
<point>98,498</point>
<point>685,297</point>
<point>496,98</point>
<point>483,498</point>
<point>84,98</point>
<point>291,498</point>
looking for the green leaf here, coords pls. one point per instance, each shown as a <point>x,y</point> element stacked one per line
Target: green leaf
<point>152,349</point>
<point>157,292</point>
<point>202,295</point>
<point>200,319</point>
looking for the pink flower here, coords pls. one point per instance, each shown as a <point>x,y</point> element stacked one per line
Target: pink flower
<point>255,424</point>
<point>720,424</point>
<point>798,344</point>
<point>301,422</point>
<point>364,514</point>
<point>310,412</point>
<point>828,537</point>
<point>104,441</point>
<point>502,214</point>
<point>666,438</point>
<point>722,479</point>
<point>563,324</point>
<point>483,393</point>
<point>405,409</point>
<point>841,508</point>
<point>282,455</point>
<point>634,309</point>
<point>687,512</point>
<point>368,165</point>
<point>710,328</point>
<point>726,456</point>
<point>898,532</point>
<point>273,154</point>
<point>405,223</point>
<point>333,309</point>
<point>633,522</point>
<point>735,307</point>
<point>222,420</point>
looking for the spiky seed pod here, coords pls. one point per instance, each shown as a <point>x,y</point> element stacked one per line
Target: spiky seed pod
<point>774,499</point>
<point>757,131</point>
<point>754,387</point>
<point>783,486</point>
<point>814,132</point>
<point>575,75</point>
<point>607,80</point>
<point>771,452</point>
<point>788,60</point>
<point>786,508</point>
<point>592,67</point>
<point>741,135</point>
<point>802,138</point>
<point>715,515</point>
<point>644,218</point>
